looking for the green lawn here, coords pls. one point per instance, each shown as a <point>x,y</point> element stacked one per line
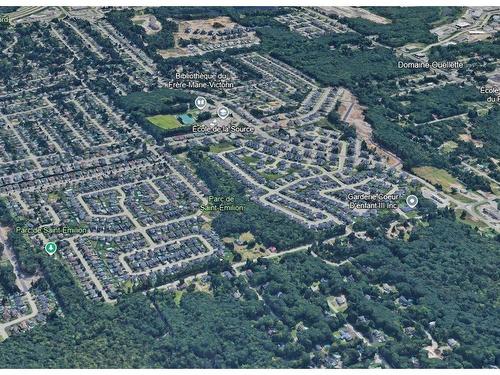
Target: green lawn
<point>324,123</point>
<point>250,159</point>
<point>220,147</point>
<point>178,297</point>
<point>165,121</point>
<point>271,176</point>
<point>448,147</point>
<point>461,198</point>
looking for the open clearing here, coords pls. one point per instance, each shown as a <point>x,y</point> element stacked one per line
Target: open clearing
<point>178,297</point>
<point>165,121</point>
<point>353,12</point>
<point>208,31</point>
<point>438,176</point>
<point>352,112</point>
<point>221,147</point>
<point>241,245</point>
<point>448,147</point>
<point>148,22</point>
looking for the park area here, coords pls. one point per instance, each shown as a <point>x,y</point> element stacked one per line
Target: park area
<point>168,122</point>
<point>165,121</point>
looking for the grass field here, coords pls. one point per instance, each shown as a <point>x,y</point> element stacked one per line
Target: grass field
<point>165,121</point>
<point>220,147</point>
<point>255,252</point>
<point>53,197</point>
<point>448,147</point>
<point>250,159</point>
<point>178,297</point>
<point>271,176</point>
<point>437,176</point>
<point>462,198</point>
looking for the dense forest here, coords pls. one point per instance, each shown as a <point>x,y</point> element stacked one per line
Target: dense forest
<point>407,24</point>
<point>335,66</point>
<point>122,20</point>
<point>26,255</point>
<point>6,10</point>
<point>439,103</point>
<point>159,101</point>
<point>7,277</point>
<point>139,105</point>
<point>451,275</point>
<point>447,272</point>
<point>269,227</point>
<point>486,129</point>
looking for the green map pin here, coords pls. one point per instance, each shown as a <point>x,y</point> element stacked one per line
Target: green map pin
<point>50,248</point>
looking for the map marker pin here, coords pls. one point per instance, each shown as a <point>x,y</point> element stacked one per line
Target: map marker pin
<point>223,112</point>
<point>50,248</point>
<point>412,201</point>
<point>200,102</point>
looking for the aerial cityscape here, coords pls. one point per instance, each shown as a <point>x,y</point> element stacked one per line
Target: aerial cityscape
<point>249,187</point>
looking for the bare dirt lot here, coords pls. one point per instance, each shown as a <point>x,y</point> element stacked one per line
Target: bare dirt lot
<point>217,23</point>
<point>353,12</point>
<point>208,32</point>
<point>466,137</point>
<point>351,112</point>
<point>148,22</point>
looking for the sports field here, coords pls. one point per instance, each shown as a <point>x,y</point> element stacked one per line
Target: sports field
<point>165,121</point>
